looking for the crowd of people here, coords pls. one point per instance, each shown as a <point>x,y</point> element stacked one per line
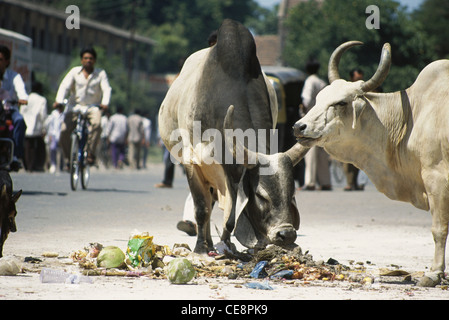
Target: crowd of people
<point>124,140</point>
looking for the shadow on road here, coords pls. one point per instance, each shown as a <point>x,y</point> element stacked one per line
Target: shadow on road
<point>43,193</point>
<point>113,190</point>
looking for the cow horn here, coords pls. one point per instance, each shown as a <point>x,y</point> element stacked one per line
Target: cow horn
<point>296,153</point>
<point>381,72</point>
<point>335,59</point>
<point>238,145</point>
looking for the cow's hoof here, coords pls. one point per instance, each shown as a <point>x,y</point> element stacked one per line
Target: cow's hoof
<point>201,249</point>
<point>430,280</point>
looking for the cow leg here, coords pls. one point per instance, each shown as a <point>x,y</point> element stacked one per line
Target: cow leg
<point>2,240</point>
<point>202,199</point>
<point>439,232</point>
<point>229,220</point>
<point>439,206</point>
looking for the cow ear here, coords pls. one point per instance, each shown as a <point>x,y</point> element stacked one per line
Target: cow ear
<point>244,232</point>
<point>358,105</point>
<point>294,213</point>
<point>16,196</point>
<point>242,196</point>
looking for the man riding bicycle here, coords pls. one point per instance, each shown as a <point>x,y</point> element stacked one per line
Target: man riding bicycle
<point>86,86</point>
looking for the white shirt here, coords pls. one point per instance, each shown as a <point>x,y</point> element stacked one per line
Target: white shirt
<point>53,124</point>
<point>93,90</point>
<point>117,128</point>
<point>312,86</point>
<point>34,113</point>
<point>13,87</point>
<point>147,129</point>
<point>104,126</point>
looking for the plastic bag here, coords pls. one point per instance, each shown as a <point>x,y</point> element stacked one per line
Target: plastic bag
<point>284,274</point>
<point>140,250</point>
<point>259,285</point>
<point>9,266</point>
<point>259,270</point>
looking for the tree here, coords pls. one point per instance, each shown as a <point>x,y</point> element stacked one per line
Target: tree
<point>433,17</point>
<point>180,27</point>
<point>263,21</point>
<point>315,30</point>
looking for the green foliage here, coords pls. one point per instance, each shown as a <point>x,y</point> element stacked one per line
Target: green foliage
<point>433,17</point>
<point>316,30</point>
<point>263,21</point>
<point>180,27</point>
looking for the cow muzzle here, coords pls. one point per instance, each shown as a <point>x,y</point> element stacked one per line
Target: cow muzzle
<point>283,236</point>
<point>302,134</point>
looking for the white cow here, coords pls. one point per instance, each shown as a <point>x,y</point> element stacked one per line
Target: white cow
<point>400,139</point>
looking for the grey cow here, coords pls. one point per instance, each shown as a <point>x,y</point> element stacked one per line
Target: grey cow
<point>226,80</point>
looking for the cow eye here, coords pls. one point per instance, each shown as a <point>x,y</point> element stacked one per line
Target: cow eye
<point>341,103</point>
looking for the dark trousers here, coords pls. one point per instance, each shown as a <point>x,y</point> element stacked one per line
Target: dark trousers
<point>34,154</point>
<point>169,171</point>
<point>117,153</point>
<point>18,133</point>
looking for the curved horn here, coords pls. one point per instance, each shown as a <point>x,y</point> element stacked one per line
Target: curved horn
<point>381,72</point>
<point>335,59</point>
<point>296,153</point>
<point>238,145</point>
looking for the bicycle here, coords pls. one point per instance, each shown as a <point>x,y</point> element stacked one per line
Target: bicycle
<point>79,167</point>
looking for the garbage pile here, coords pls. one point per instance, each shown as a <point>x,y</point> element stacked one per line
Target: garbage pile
<point>179,265</point>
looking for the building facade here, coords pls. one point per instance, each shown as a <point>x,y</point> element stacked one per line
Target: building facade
<point>54,43</point>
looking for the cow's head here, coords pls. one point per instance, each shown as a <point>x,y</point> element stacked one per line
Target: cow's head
<point>8,208</point>
<point>8,214</point>
<point>266,209</point>
<point>339,106</point>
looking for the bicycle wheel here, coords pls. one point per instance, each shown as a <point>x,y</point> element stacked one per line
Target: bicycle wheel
<point>74,163</point>
<point>85,173</point>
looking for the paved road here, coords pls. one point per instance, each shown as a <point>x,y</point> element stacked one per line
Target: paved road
<point>342,225</point>
<point>360,226</point>
<point>115,203</point>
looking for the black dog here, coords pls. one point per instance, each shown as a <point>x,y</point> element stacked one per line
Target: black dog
<point>8,210</point>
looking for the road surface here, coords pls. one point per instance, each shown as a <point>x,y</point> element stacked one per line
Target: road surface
<point>347,226</point>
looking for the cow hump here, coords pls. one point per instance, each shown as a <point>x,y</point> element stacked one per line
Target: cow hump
<point>235,46</point>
